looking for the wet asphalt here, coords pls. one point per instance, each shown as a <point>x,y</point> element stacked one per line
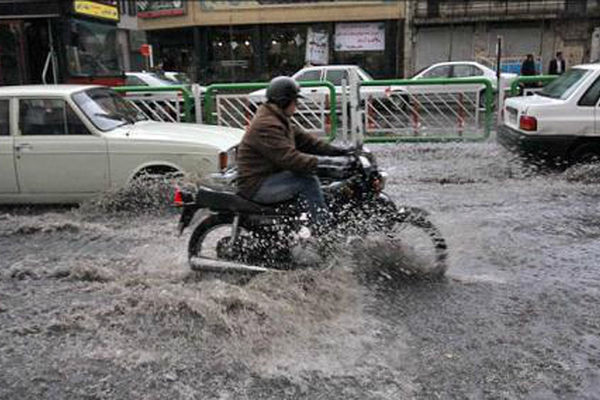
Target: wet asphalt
<point>97,303</point>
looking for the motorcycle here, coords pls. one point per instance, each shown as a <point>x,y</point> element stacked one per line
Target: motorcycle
<point>232,233</point>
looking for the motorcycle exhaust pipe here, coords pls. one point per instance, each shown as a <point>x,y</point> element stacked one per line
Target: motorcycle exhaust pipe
<point>209,264</point>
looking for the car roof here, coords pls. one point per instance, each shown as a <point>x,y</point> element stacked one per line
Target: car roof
<point>40,90</point>
<point>457,63</point>
<point>594,67</point>
<point>331,66</point>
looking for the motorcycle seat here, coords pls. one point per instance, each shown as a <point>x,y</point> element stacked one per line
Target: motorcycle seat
<point>219,200</point>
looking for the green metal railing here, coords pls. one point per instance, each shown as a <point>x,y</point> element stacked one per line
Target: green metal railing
<point>186,94</point>
<point>544,79</point>
<point>489,99</point>
<point>208,102</point>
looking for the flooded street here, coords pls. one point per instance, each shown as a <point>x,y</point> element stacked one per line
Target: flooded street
<point>100,304</point>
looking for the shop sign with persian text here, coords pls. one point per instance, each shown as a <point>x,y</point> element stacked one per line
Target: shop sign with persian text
<point>360,36</point>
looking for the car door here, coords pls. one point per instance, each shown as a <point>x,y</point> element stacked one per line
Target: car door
<point>588,111</point>
<point>8,176</point>
<point>473,91</point>
<point>429,93</point>
<point>55,152</point>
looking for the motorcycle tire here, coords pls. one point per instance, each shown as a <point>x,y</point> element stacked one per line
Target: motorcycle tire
<point>418,218</point>
<point>203,229</point>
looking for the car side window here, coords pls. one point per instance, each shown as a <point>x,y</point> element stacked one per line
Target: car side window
<point>49,117</point>
<point>335,76</point>
<point>134,81</point>
<point>591,96</point>
<point>442,71</point>
<point>313,75</point>
<point>464,71</point>
<point>4,118</point>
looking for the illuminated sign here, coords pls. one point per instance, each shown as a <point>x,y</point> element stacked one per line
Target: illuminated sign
<point>97,9</point>
<point>162,8</point>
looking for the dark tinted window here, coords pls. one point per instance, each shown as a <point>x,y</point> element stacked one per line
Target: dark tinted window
<point>335,76</point>
<point>4,118</point>
<point>314,75</point>
<point>590,98</point>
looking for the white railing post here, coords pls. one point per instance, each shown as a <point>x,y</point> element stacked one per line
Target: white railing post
<point>197,93</point>
<point>356,123</point>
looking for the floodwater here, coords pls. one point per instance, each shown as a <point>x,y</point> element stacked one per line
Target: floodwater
<point>98,302</point>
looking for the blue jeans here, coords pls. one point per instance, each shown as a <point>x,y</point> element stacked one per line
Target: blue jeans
<point>287,185</point>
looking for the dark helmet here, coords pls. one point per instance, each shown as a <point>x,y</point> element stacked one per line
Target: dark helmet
<point>282,90</point>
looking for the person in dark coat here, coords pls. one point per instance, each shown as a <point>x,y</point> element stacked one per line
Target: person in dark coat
<point>276,159</point>
<point>528,66</point>
<point>557,65</point>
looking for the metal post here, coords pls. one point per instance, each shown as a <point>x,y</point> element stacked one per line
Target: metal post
<point>52,54</point>
<point>499,89</point>
<point>356,119</point>
<point>343,102</point>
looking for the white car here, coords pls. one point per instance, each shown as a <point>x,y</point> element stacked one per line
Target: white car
<point>561,123</point>
<point>460,69</point>
<point>332,73</point>
<point>146,79</point>
<point>66,143</point>
<point>465,69</point>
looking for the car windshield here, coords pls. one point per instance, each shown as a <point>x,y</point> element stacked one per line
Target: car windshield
<point>364,75</point>
<point>154,79</point>
<point>563,86</point>
<point>106,109</point>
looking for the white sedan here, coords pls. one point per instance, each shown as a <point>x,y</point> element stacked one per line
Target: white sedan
<point>459,69</point>
<point>66,143</point>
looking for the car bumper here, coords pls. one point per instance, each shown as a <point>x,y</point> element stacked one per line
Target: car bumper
<point>545,147</point>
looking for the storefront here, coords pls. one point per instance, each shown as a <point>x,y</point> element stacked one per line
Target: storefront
<point>258,52</point>
<point>26,28</point>
<point>59,41</point>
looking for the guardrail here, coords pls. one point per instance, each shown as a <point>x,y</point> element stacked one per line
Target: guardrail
<point>457,109</point>
<point>161,103</point>
<point>427,110</point>
<point>316,112</point>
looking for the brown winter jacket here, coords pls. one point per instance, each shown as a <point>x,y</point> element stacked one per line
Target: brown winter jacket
<point>273,144</point>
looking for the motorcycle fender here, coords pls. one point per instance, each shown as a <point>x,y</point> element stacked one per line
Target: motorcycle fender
<point>191,217</point>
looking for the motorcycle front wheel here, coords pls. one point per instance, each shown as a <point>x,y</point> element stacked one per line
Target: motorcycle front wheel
<point>413,243</point>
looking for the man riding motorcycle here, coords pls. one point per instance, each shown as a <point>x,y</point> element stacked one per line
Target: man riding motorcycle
<point>277,160</point>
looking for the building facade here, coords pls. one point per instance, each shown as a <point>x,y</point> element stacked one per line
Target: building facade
<point>59,41</point>
<point>452,30</point>
<point>254,40</point>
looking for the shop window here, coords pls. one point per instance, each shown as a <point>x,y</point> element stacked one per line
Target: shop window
<point>49,117</point>
<point>4,118</point>
<point>285,47</point>
<point>92,49</point>
<point>233,51</point>
<point>12,62</point>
